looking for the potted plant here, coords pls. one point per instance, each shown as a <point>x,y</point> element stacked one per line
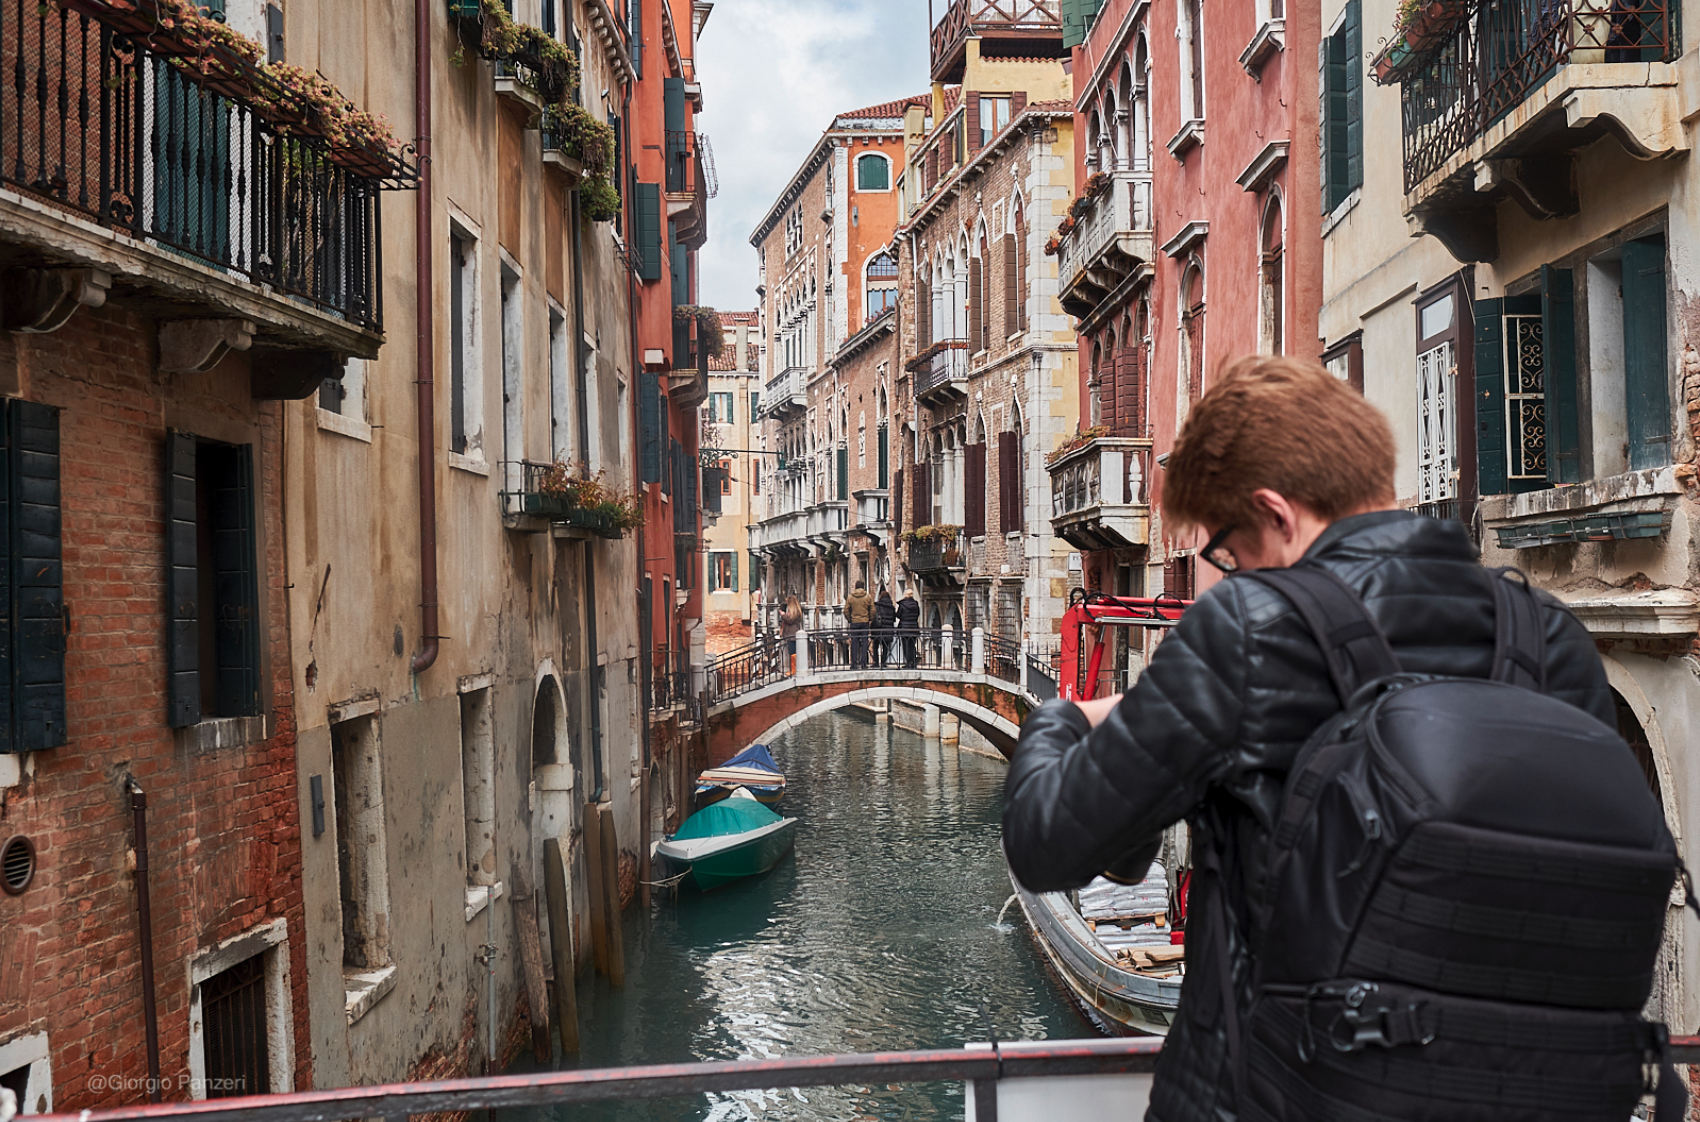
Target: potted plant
<point>1418,28</point>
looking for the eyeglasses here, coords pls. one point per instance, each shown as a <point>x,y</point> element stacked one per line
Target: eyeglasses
<point>1217,552</point>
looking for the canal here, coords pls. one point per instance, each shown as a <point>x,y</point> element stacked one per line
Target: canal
<point>879,932</point>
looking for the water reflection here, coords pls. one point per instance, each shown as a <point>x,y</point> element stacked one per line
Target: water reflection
<point>877,933</point>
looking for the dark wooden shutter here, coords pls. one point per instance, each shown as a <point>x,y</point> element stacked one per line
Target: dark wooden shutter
<point>1130,390</point>
<point>885,457</point>
<point>648,239</point>
<point>9,739</point>
<point>1331,82</point>
<point>1353,73</point>
<point>679,266</point>
<point>923,495</point>
<point>843,474</point>
<point>1017,103</point>
<point>974,497</point>
<point>734,585</point>
<point>183,645</point>
<point>1646,377</point>
<point>923,316</point>
<point>1011,287</point>
<point>711,477</point>
<point>1006,480</point>
<point>235,581</point>
<point>37,581</point>
<point>649,420</point>
<point>1558,335</point>
<point>976,305</point>
<point>897,499</point>
<point>634,32</point>
<point>1491,453</point>
<point>971,113</point>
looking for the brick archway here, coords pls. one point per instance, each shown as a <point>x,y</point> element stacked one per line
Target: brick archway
<point>990,706</point>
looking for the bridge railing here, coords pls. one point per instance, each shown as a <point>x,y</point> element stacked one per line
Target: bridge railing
<point>895,650</point>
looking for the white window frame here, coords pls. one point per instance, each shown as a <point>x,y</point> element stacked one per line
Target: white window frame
<point>268,939</point>
<point>31,1050</point>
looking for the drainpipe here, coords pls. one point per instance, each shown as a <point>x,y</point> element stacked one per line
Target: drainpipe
<point>144,914</point>
<point>425,327</point>
<point>575,219</point>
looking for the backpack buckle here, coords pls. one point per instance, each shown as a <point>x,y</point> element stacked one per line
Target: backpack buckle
<point>1356,1028</point>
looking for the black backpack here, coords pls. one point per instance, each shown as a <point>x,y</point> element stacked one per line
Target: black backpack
<point>1465,897</point>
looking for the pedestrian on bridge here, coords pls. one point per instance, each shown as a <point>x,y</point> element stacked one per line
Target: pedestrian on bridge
<point>909,626</point>
<point>791,622</point>
<point>885,618</point>
<point>859,614</point>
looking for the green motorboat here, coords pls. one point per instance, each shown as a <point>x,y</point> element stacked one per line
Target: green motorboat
<point>726,841</point>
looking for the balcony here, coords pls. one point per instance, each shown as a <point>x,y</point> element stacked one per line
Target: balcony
<point>160,167</point>
<point>783,534</point>
<point>1004,28</point>
<point>785,393</point>
<point>691,182</point>
<point>937,554</point>
<point>1098,492</point>
<point>1108,244</point>
<point>687,382</point>
<point>1501,102</point>
<point>941,371</point>
<point>542,500</point>
<point>873,510</point>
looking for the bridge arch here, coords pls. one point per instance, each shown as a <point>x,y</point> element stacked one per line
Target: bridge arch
<point>990,706</point>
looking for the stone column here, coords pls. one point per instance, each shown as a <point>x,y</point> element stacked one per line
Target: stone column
<point>977,651</point>
<point>802,652</point>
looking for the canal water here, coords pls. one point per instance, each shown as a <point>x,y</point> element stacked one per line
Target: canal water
<point>879,932</point>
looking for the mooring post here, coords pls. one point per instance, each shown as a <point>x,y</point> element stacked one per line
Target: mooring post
<point>977,651</point>
<point>802,652</point>
<point>947,647</point>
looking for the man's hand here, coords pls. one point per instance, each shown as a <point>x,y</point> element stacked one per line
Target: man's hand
<point>1099,708</point>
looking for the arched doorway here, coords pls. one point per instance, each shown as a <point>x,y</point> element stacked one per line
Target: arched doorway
<point>557,810</point>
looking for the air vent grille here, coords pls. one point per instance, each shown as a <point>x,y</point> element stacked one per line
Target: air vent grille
<point>17,864</point>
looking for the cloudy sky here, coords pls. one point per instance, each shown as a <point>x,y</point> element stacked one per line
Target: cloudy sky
<point>774,72</point>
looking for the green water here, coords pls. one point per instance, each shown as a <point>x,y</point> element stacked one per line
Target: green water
<point>878,933</point>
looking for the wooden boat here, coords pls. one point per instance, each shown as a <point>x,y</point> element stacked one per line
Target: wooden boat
<point>753,769</point>
<point>1110,946</point>
<point>734,838</point>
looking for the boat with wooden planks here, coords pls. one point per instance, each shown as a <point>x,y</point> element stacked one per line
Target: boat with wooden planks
<point>752,769</point>
<point>1111,946</point>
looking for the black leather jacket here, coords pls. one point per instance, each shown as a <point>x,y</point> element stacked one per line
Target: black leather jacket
<point>1210,730</point>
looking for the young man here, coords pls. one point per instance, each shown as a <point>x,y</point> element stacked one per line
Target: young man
<point>859,614</point>
<point>909,627</point>
<point>1278,463</point>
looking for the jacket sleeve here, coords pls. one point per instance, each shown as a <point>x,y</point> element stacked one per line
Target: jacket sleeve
<point>1080,801</point>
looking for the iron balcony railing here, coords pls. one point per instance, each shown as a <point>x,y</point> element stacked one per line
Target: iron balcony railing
<point>1503,50</point>
<point>937,553</point>
<point>128,133</point>
<point>690,165</point>
<point>532,493</point>
<point>946,362</point>
<point>670,681</point>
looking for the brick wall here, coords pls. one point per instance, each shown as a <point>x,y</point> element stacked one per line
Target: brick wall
<point>223,828</point>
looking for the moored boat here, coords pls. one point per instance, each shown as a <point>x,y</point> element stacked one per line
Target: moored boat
<point>726,841</point>
<point>752,769</point>
<point>1110,945</point>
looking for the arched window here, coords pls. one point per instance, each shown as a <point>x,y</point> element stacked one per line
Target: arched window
<point>1272,266</point>
<point>979,297</point>
<point>1192,328</point>
<point>873,172</point>
<point>1095,413</point>
<point>882,285</point>
<point>1012,488</point>
<point>1108,375</point>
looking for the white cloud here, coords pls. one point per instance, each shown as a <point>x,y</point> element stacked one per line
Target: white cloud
<point>774,72</point>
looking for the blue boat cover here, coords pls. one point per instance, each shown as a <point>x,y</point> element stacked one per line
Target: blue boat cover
<point>756,756</point>
<point>736,815</point>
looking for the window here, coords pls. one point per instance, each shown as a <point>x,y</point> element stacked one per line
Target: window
<point>794,231</point>
<point>346,396</point>
<point>26,1069</point>
<point>1345,360</point>
<point>1193,60</point>
<point>1639,349</point>
<point>755,403</point>
<point>873,172</point>
<point>215,619</point>
<point>466,402</point>
<point>725,469</point>
<point>1192,329</point>
<point>994,117</point>
<point>722,571</point>
<point>1437,397</point>
<point>652,422</point>
<point>720,408</point>
<point>233,1018</point>
<point>646,212</point>
<point>32,598</point>
<point>361,857</point>
<point>513,364</point>
<point>1272,267</point>
<point>478,788</point>
<point>562,437</point>
<point>1342,85</point>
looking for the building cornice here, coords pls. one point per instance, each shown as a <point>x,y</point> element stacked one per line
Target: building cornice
<point>606,26</point>
<point>865,338</point>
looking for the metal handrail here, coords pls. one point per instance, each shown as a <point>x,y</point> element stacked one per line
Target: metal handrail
<point>982,1066</point>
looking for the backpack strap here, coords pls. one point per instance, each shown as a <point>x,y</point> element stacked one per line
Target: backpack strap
<point>1519,632</point>
<point>1352,642</point>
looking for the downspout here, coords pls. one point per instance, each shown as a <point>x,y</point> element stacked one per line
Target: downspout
<point>425,328</point>
<point>144,914</point>
<point>575,218</point>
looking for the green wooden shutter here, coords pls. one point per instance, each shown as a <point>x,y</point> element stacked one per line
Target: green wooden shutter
<point>1352,72</point>
<point>1558,335</point>
<point>37,582</point>
<point>183,644</point>
<point>678,263</point>
<point>885,457</point>
<point>678,144</point>
<point>235,582</point>
<point>1490,397</point>
<point>734,586</point>
<point>649,420</point>
<point>634,31</point>
<point>648,232</point>
<point>843,474</point>
<point>1645,355</point>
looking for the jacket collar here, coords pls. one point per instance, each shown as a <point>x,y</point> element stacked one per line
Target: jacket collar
<point>1400,532</point>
